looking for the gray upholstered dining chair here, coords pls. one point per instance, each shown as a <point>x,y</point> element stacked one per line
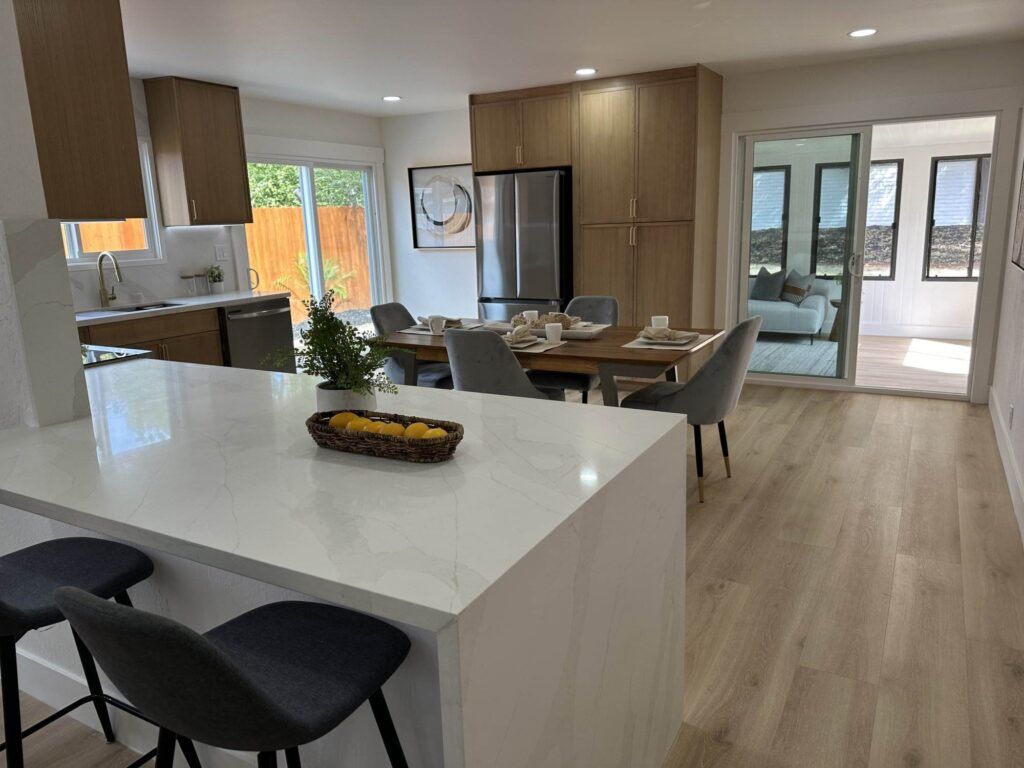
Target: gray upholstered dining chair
<point>603,310</point>
<point>270,680</point>
<point>710,395</point>
<point>391,318</point>
<point>482,362</point>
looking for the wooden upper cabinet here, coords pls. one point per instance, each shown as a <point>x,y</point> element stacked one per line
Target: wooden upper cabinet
<point>666,133</point>
<point>664,272</point>
<point>198,144</point>
<point>607,267</point>
<point>76,72</point>
<point>546,131</point>
<point>496,136</point>
<point>607,155</point>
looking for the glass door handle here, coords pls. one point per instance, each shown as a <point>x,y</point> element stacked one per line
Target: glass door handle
<point>856,265</point>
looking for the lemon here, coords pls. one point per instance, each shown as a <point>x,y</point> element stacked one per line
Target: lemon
<point>392,428</point>
<point>374,426</point>
<point>340,420</point>
<point>416,430</point>
<point>430,434</point>
<point>357,424</point>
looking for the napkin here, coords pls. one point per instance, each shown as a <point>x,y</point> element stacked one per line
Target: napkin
<point>666,334</point>
<point>518,334</point>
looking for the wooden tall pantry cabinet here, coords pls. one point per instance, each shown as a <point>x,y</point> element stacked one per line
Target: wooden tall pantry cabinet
<point>645,161</point>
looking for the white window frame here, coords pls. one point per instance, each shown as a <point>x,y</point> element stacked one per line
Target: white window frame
<point>154,254</point>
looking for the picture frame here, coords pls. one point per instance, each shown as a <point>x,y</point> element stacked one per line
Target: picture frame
<point>442,207</point>
<point>1017,249</point>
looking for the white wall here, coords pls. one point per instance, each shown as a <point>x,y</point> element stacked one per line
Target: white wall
<point>426,280</point>
<point>985,79</point>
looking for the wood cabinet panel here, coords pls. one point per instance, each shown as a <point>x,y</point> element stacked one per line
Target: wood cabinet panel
<point>607,267</point>
<point>202,348</point>
<point>198,143</point>
<point>546,132</point>
<point>607,155</point>
<point>125,333</point>
<point>496,136</point>
<point>666,134</point>
<point>664,272</point>
<point>76,71</point>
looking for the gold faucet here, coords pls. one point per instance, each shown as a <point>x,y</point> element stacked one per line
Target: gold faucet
<point>105,297</point>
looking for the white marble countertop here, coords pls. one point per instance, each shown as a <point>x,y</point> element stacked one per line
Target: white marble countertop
<point>215,465</point>
<point>182,304</point>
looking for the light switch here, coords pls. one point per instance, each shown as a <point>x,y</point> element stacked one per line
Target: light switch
<point>220,253</point>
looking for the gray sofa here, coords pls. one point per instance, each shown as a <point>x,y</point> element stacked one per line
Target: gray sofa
<point>804,319</point>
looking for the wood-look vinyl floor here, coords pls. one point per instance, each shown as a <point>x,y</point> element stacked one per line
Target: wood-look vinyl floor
<point>855,594</point>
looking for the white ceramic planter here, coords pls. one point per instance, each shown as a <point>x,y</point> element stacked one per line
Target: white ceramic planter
<point>343,400</point>
<point>217,288</point>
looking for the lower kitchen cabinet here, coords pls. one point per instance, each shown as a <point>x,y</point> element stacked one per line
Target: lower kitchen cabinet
<point>607,267</point>
<point>183,337</point>
<point>202,348</point>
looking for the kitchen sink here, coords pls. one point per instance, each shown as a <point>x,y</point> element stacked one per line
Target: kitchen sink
<point>141,307</point>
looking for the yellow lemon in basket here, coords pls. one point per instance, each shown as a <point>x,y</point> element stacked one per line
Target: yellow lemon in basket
<point>392,428</point>
<point>374,426</point>
<point>415,430</point>
<point>340,420</point>
<point>430,434</point>
<point>357,424</point>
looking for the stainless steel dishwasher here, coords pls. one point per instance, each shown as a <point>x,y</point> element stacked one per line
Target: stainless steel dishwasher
<point>257,330</point>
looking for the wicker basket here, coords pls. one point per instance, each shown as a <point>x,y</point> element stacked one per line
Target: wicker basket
<point>386,446</point>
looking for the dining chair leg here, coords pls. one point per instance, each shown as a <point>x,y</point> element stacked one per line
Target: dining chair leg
<point>583,396</point>
<point>165,749</point>
<point>121,598</point>
<point>291,758</point>
<point>700,461</point>
<point>725,448</point>
<point>266,760</point>
<point>92,679</point>
<point>11,702</point>
<point>387,730</point>
<point>188,749</point>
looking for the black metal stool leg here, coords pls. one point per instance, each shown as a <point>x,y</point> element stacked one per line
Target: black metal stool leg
<point>387,730</point>
<point>11,702</point>
<point>725,448</point>
<point>291,758</point>
<point>188,749</point>
<point>266,760</point>
<point>165,749</point>
<point>698,449</point>
<point>92,679</point>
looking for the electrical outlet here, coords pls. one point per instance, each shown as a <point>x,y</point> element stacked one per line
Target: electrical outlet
<point>1010,425</point>
<point>220,253</point>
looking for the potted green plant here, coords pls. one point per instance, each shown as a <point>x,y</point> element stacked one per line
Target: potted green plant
<point>215,277</point>
<point>347,361</point>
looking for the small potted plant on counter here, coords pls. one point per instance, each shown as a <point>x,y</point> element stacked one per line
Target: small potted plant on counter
<point>348,361</point>
<point>215,277</point>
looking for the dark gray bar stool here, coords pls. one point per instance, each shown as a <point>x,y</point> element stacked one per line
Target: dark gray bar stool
<point>269,680</point>
<point>28,579</point>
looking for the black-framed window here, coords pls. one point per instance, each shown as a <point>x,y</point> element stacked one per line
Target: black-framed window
<point>957,211</point>
<point>769,218</point>
<point>830,225</point>
<point>885,186</point>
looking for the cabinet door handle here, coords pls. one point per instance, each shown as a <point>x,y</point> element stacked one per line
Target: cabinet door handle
<point>519,154</point>
<point>636,207</point>
<point>632,235</point>
<point>195,216</point>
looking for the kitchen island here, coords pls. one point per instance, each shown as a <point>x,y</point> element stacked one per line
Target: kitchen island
<point>540,574</point>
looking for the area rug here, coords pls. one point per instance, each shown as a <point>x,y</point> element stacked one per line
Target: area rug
<point>796,355</point>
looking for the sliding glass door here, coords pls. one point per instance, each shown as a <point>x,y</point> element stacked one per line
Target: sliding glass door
<point>802,250</point>
<point>312,232</point>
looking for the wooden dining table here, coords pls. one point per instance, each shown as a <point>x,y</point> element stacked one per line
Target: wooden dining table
<point>603,355</point>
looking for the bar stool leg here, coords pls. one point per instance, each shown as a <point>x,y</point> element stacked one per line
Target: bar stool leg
<point>92,679</point>
<point>11,702</point>
<point>188,749</point>
<point>387,730</point>
<point>291,758</point>
<point>266,760</point>
<point>165,749</point>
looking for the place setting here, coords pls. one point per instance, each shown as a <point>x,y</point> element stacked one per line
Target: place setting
<point>524,335</point>
<point>436,325</point>
<point>573,328</point>
<point>658,335</point>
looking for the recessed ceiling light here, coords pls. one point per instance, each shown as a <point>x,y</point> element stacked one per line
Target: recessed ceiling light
<point>392,98</point>
<point>866,32</point>
<point>586,71</point>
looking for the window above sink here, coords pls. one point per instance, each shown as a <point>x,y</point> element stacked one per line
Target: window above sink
<point>133,241</point>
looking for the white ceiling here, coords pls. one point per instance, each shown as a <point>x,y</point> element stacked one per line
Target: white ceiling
<point>347,55</point>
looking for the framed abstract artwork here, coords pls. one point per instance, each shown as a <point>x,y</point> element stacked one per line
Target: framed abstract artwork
<point>1017,249</point>
<point>441,198</point>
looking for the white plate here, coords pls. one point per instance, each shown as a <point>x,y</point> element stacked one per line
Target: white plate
<point>669,342</point>
<point>524,344</point>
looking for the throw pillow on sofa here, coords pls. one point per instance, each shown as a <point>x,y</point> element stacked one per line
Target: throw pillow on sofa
<point>768,285</point>
<point>797,287</point>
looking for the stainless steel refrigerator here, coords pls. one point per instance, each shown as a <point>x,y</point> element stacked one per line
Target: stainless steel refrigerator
<point>523,243</point>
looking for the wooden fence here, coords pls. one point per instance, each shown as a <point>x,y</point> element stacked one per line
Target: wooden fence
<point>277,250</point>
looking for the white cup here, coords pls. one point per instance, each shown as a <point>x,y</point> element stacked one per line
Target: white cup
<point>530,315</point>
<point>659,321</point>
<point>436,323</point>
<point>553,331</point>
